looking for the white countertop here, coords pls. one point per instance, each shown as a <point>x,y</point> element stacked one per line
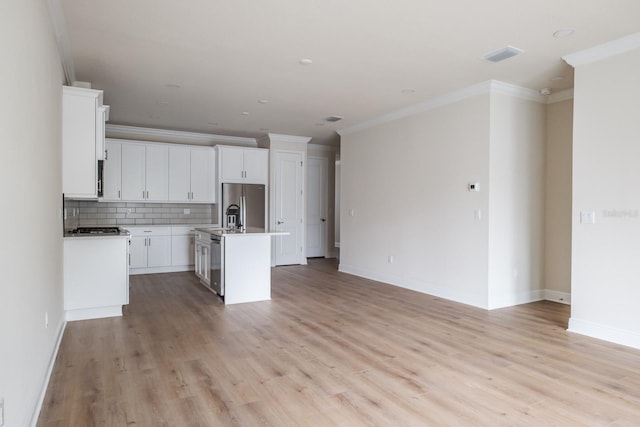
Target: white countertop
<point>250,231</point>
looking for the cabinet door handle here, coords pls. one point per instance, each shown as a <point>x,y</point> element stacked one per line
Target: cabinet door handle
<point>143,194</point>
<point>280,222</point>
<point>147,195</point>
<point>118,194</point>
<point>106,154</point>
<point>323,220</point>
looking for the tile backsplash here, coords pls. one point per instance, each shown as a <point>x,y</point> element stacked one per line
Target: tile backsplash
<point>93,213</point>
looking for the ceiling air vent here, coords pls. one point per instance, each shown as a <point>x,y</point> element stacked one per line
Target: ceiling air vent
<point>502,54</point>
<point>334,118</point>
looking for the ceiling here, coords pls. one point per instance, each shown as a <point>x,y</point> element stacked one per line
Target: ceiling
<point>232,67</point>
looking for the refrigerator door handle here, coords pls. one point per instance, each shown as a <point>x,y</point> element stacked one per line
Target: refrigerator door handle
<point>243,213</point>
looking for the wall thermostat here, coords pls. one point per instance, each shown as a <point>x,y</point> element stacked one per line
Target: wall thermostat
<point>474,186</point>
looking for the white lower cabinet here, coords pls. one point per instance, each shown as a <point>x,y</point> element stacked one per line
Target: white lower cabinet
<point>203,257</point>
<point>163,249</point>
<point>150,248</point>
<point>182,246</point>
<point>96,280</point>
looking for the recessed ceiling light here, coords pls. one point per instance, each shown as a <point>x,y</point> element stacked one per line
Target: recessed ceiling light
<point>245,113</point>
<point>306,61</point>
<point>556,78</point>
<point>334,118</point>
<point>565,32</point>
<point>546,91</point>
<point>502,54</point>
<point>263,101</point>
<point>408,91</point>
<point>173,85</point>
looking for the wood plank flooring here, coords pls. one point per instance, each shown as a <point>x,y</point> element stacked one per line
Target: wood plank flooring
<point>331,349</point>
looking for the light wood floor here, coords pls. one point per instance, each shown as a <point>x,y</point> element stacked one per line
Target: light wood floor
<point>333,349</point>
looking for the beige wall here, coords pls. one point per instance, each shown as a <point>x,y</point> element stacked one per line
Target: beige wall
<point>30,177</point>
<point>516,205</point>
<point>606,176</point>
<point>557,249</point>
<point>406,183</point>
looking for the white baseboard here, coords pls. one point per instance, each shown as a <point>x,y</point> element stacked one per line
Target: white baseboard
<point>461,297</point>
<point>153,270</point>
<point>557,296</point>
<point>418,286</point>
<point>93,313</point>
<point>509,300</point>
<point>45,384</point>
<point>604,332</point>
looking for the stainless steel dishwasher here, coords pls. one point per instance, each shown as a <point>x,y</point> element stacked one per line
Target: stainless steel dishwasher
<point>217,264</point>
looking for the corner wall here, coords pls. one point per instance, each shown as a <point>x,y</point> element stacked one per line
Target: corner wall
<point>31,178</point>
<point>557,248</point>
<point>404,199</point>
<point>516,201</point>
<point>606,175</point>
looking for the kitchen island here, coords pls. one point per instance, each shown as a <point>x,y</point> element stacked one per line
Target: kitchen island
<point>237,264</point>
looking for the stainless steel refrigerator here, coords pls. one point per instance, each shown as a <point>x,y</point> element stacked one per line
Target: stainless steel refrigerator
<point>243,205</point>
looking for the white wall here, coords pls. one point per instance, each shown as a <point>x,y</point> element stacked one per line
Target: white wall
<point>516,205</point>
<point>406,183</point>
<point>557,248</point>
<point>606,180</point>
<point>30,177</point>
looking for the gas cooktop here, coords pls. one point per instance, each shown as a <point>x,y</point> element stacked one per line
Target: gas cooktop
<point>96,230</point>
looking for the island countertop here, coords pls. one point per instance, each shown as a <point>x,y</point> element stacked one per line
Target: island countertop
<point>250,231</point>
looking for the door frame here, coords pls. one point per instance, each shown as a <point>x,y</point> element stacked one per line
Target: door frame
<point>324,203</point>
<point>272,202</point>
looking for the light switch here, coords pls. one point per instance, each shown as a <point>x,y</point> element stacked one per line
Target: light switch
<point>587,217</point>
<point>477,214</point>
<point>351,212</point>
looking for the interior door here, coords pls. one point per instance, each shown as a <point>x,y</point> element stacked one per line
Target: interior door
<point>289,207</point>
<point>316,238</point>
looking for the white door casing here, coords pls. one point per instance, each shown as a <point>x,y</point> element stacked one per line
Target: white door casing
<point>316,212</point>
<point>289,208</point>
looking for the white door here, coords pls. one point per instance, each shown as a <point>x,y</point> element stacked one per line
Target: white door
<point>112,171</point>
<point>158,251</point>
<point>317,170</point>
<point>203,180</point>
<point>231,164</point>
<point>138,252</point>
<point>288,207</point>
<point>256,166</point>
<point>179,174</point>
<point>157,173</point>
<point>133,163</point>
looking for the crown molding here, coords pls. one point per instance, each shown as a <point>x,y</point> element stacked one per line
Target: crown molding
<point>516,91</point>
<point>321,147</point>
<point>162,135</point>
<point>489,86</point>
<point>603,51</point>
<point>289,138</point>
<point>62,39</point>
<point>560,96</point>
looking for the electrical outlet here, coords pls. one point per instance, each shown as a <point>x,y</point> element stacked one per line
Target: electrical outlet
<point>390,259</point>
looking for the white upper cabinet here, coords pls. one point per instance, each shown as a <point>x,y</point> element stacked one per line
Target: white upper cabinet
<point>145,172</point>
<point>191,174</point>
<point>83,117</point>
<point>244,165</point>
<point>112,182</point>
